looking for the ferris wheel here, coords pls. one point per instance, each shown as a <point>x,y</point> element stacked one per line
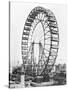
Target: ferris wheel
<point>47,41</point>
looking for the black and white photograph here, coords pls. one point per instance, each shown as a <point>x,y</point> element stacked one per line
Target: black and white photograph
<point>37,44</point>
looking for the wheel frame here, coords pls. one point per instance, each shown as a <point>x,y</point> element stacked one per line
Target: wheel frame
<point>53,30</point>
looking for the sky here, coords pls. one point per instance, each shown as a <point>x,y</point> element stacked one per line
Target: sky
<point>19,12</point>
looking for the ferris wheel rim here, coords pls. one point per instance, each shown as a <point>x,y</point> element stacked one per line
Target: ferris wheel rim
<point>55,32</point>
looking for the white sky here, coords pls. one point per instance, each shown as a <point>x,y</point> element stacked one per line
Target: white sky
<point>18,14</point>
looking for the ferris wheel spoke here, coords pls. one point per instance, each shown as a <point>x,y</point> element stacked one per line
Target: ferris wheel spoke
<point>41,36</point>
<point>43,24</point>
<point>47,44</point>
<point>31,33</point>
<point>47,50</point>
<point>47,38</point>
<point>47,32</point>
<point>46,56</point>
<point>41,40</point>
